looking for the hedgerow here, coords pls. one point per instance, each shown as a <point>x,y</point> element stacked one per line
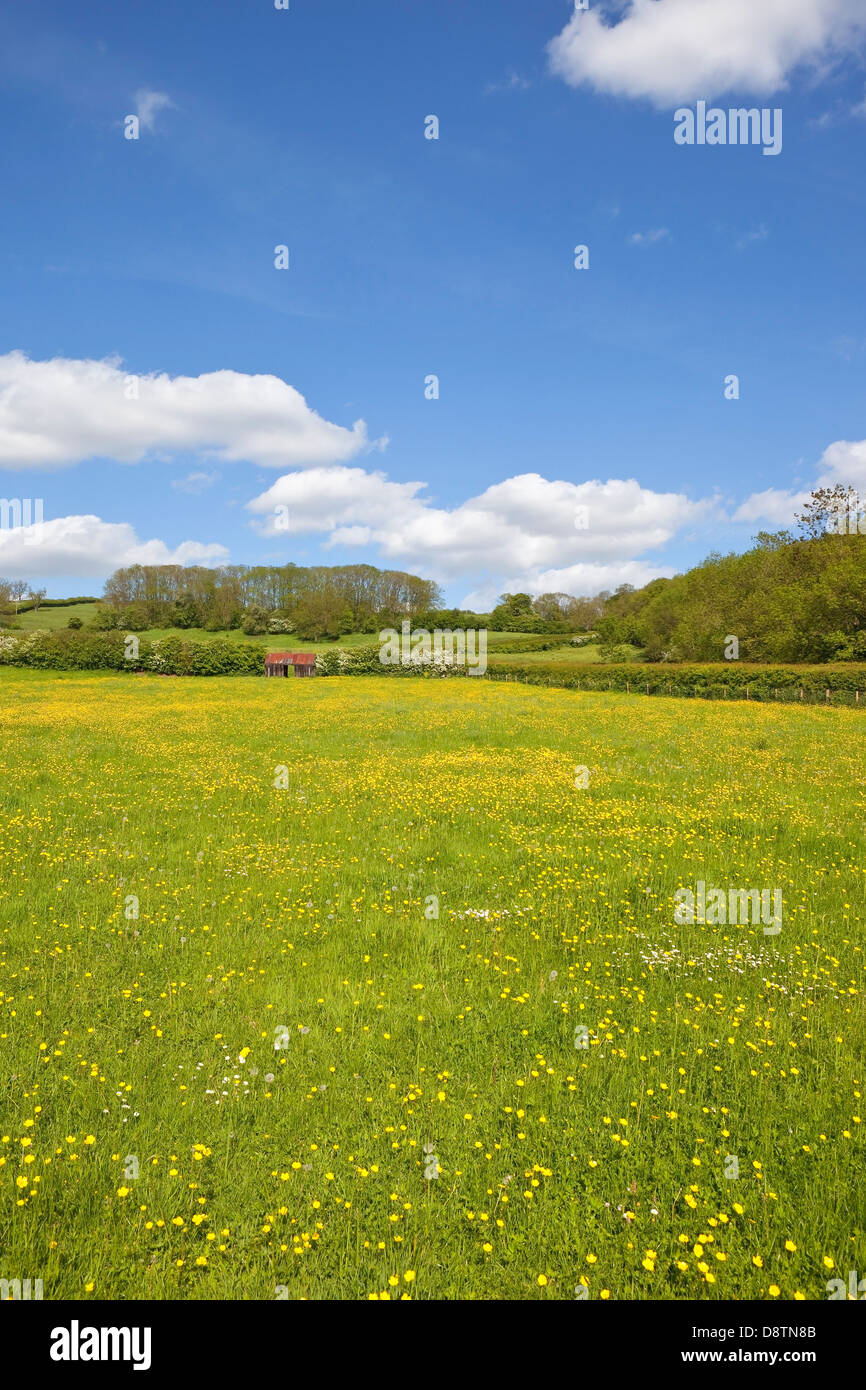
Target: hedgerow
<point>173,656</point>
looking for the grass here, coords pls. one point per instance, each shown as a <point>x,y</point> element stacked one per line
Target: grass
<point>243,1052</point>
<point>566,654</point>
<point>50,619</point>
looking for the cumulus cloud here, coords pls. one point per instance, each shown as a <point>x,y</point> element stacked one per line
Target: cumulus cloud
<point>841,462</point>
<point>331,499</point>
<point>773,505</point>
<point>573,579</point>
<point>844,462</point>
<point>148,103</point>
<point>64,411</point>
<point>668,51</point>
<point>87,545</point>
<point>535,527</point>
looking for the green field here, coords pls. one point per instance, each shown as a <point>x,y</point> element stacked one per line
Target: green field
<point>567,655</point>
<point>50,619</point>
<point>243,1052</point>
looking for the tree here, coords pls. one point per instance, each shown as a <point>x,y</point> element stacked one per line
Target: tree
<point>184,611</point>
<point>134,617</point>
<point>37,595</point>
<point>255,620</point>
<point>834,509</point>
<point>514,613</point>
<point>17,590</point>
<point>318,615</point>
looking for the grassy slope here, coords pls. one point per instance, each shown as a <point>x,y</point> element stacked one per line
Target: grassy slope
<point>50,619</point>
<point>304,909</point>
<point>54,618</point>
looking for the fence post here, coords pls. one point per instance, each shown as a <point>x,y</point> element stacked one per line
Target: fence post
<point>647,687</point>
<point>801,692</point>
<point>627,688</point>
<point>827,698</point>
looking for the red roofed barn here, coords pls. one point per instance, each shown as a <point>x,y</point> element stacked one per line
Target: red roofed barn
<point>290,663</point>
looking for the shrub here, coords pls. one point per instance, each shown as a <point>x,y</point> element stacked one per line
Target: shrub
<point>105,618</point>
<point>255,621</point>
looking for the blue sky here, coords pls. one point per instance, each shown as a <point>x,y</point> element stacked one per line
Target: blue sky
<point>604,388</point>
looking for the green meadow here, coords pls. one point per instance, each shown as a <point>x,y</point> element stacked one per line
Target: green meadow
<point>358,988</point>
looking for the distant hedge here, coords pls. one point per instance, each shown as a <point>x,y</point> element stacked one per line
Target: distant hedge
<point>528,644</point>
<point>846,682</point>
<point>26,605</point>
<point>88,650</point>
<point>116,651</point>
<point>726,680</point>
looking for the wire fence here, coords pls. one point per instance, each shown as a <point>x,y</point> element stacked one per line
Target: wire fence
<point>759,693</point>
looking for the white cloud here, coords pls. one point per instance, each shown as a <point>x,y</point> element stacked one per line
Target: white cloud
<point>774,505</point>
<point>195,483</point>
<point>87,545</point>
<point>841,462</point>
<point>648,238</point>
<point>526,525</point>
<point>844,462</point>
<point>574,579</point>
<point>326,499</point>
<point>148,103</point>
<point>64,411</point>
<point>669,51</point>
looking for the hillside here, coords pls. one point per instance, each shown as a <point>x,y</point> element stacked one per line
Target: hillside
<point>786,599</point>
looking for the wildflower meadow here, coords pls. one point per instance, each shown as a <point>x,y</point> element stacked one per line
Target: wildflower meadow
<point>363,989</point>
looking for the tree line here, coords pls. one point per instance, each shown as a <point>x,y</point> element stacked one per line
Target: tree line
<point>314,601</point>
<point>790,598</point>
